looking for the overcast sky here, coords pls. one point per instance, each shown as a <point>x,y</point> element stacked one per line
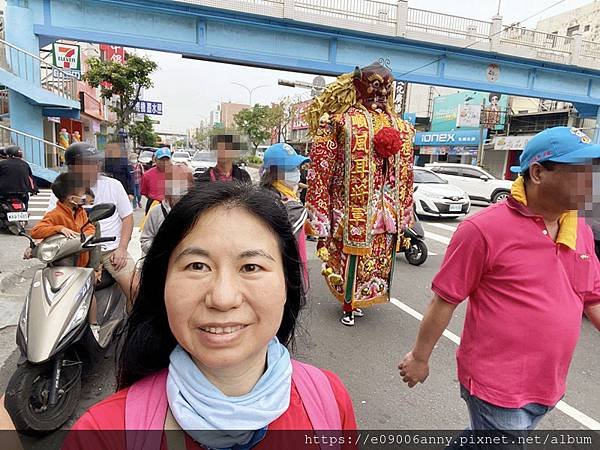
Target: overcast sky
<point>190,89</point>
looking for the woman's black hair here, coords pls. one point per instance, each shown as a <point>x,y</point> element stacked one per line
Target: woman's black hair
<point>148,338</point>
<point>269,176</point>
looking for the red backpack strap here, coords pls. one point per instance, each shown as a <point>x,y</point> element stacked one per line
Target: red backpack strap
<point>317,396</point>
<point>146,407</point>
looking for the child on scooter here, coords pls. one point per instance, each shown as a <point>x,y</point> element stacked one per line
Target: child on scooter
<point>68,218</point>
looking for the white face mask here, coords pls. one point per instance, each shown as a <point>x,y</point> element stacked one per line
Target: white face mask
<point>292,177</point>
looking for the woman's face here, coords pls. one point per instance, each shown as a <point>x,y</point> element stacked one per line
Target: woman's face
<point>225,289</point>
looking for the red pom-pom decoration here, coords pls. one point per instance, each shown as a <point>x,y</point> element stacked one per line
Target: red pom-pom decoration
<point>387,142</point>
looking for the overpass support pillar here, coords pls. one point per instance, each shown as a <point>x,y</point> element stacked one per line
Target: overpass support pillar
<point>24,116</point>
<point>576,45</point>
<point>401,18</point>
<point>288,9</point>
<point>596,138</point>
<point>495,33</point>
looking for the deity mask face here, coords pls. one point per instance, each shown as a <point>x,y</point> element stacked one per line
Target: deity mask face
<point>373,86</point>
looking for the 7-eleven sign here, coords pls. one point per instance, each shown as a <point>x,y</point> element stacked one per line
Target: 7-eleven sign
<point>66,56</point>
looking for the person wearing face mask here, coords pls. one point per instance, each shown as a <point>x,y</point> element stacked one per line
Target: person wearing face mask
<point>281,173</point>
<point>69,216</point>
<point>175,188</point>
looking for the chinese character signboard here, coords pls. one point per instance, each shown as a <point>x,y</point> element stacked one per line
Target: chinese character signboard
<point>151,108</point>
<point>113,53</point>
<point>298,121</point>
<point>67,57</point>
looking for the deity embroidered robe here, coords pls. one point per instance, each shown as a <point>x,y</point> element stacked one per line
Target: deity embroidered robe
<point>359,201</point>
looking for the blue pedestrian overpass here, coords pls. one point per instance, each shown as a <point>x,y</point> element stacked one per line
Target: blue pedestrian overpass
<point>331,37</point>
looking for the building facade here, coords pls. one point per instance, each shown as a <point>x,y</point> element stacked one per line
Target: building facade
<point>584,20</point>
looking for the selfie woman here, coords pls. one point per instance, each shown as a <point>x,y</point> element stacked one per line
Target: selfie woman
<point>206,348</point>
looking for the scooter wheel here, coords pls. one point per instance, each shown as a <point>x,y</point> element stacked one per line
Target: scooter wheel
<point>26,398</point>
<point>417,253</point>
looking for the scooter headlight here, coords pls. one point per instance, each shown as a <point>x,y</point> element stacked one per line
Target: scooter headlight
<point>48,251</point>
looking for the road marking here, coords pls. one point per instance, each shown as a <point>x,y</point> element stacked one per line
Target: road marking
<point>441,226</point>
<point>567,409</point>
<point>437,237</point>
<point>417,315</point>
<point>36,209</point>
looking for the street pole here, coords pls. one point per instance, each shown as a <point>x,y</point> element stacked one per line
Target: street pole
<point>250,91</point>
<point>482,120</point>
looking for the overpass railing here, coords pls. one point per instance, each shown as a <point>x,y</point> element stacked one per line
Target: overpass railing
<point>35,70</point>
<point>447,25</point>
<point>53,154</point>
<point>395,18</point>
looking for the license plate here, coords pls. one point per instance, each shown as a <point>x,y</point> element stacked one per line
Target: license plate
<point>17,216</point>
<point>455,208</point>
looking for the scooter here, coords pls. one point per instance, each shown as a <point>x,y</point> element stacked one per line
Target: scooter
<point>415,250</point>
<point>53,332</point>
<point>13,215</point>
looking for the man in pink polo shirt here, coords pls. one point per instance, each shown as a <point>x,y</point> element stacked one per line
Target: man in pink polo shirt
<point>153,181</point>
<point>529,270</point>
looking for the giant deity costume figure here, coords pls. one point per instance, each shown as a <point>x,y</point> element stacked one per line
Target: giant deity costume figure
<point>360,181</point>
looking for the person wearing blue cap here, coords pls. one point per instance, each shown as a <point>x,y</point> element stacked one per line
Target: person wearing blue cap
<point>528,267</point>
<point>153,181</point>
<point>281,173</point>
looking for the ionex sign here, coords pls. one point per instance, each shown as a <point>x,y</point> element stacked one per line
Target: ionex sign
<point>450,138</point>
<point>66,56</point>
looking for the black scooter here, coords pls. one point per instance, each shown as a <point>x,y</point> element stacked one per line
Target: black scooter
<point>416,251</point>
<point>13,213</point>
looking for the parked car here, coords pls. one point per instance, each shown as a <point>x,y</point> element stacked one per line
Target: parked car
<point>146,157</point>
<point>475,181</point>
<point>181,157</point>
<point>202,161</point>
<point>435,197</point>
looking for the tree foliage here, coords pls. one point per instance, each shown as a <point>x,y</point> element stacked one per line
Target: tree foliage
<point>143,134</point>
<point>257,122</point>
<point>123,80</point>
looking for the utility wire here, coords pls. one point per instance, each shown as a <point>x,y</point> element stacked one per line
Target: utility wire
<point>513,25</point>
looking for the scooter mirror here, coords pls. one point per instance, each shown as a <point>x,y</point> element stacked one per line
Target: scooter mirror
<point>101,212</point>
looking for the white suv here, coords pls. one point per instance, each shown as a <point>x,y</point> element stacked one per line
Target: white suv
<point>479,184</point>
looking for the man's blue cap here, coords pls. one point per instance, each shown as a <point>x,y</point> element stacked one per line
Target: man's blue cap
<point>564,145</point>
<point>284,156</point>
<point>163,152</point>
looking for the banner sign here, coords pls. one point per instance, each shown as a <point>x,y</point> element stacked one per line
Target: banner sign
<point>511,142</point>
<point>449,138</point>
<point>66,56</point>
<point>298,121</point>
<point>146,107</point>
<point>468,116</point>
<point>446,109</point>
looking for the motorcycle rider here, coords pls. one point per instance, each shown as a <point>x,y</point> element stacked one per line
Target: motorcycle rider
<point>15,175</point>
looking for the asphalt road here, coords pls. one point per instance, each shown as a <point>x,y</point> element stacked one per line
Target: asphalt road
<point>366,356</point>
